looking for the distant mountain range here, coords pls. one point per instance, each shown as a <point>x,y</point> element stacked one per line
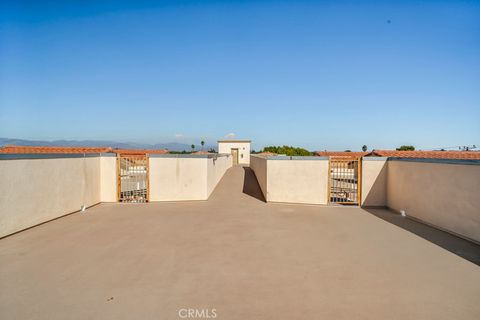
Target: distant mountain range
<point>172,146</point>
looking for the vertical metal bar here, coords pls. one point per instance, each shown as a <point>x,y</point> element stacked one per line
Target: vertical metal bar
<point>344,194</point>
<point>118,179</point>
<point>334,179</point>
<point>359,183</point>
<point>334,184</point>
<point>147,178</point>
<point>328,181</point>
<point>353,184</point>
<point>341,181</point>
<point>358,180</point>
<point>351,176</point>
<point>337,180</point>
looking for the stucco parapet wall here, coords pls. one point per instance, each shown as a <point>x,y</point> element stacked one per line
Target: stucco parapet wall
<point>289,157</point>
<point>234,141</point>
<point>443,161</point>
<point>374,158</point>
<point>198,156</point>
<point>33,156</point>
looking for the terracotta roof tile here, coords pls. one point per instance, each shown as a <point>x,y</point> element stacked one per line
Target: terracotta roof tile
<point>472,155</point>
<point>468,155</point>
<point>140,151</point>
<point>55,149</point>
<point>340,154</point>
<point>267,153</point>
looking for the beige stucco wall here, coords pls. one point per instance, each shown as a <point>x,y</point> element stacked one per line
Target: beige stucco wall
<point>174,179</point>
<point>243,150</point>
<point>259,166</point>
<point>443,195</point>
<point>374,182</point>
<point>297,181</point>
<point>108,179</point>
<point>216,168</point>
<point>186,178</point>
<point>294,181</point>
<point>33,191</point>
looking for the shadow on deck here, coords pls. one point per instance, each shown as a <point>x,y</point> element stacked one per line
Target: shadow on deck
<point>461,247</point>
<point>251,186</point>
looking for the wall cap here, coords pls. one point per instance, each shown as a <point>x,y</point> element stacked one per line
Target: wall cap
<point>444,161</point>
<point>267,157</point>
<point>194,156</point>
<point>34,156</point>
<point>374,158</point>
<point>234,141</point>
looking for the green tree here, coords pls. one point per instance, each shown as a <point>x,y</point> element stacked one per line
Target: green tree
<point>364,148</point>
<point>202,143</point>
<point>288,150</point>
<point>406,148</point>
<point>193,147</point>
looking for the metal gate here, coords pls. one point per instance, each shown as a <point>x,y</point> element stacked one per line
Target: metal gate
<point>132,178</point>
<point>344,181</point>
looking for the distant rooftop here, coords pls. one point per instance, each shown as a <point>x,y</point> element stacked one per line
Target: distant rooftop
<point>341,154</point>
<point>418,154</point>
<point>234,140</point>
<point>267,153</point>
<point>70,150</point>
<point>472,155</point>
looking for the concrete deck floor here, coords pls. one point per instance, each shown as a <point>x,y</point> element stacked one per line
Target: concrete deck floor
<point>243,257</point>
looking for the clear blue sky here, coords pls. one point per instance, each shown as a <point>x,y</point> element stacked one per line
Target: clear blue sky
<point>319,74</point>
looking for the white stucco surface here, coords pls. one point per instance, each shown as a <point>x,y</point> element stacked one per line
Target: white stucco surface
<point>243,150</point>
<point>174,179</point>
<point>189,178</point>
<point>108,179</point>
<point>297,181</point>
<point>259,166</point>
<point>292,181</point>
<point>33,191</point>
<point>374,182</point>
<point>443,195</point>
<point>216,168</point>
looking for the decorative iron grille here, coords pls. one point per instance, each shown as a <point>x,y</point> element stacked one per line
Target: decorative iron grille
<point>133,178</point>
<point>344,181</point>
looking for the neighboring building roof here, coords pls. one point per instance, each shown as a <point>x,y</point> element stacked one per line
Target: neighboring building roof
<point>475,155</point>
<point>55,149</point>
<point>244,141</point>
<point>267,153</point>
<point>341,154</point>
<point>139,151</point>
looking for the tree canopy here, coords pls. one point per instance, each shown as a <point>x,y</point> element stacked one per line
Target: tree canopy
<point>288,150</point>
<point>406,148</point>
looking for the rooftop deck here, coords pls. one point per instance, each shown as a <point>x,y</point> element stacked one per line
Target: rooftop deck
<point>246,258</point>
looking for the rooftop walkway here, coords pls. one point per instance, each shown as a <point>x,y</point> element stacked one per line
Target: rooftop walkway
<point>236,254</point>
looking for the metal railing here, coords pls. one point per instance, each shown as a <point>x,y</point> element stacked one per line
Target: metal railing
<point>133,178</point>
<point>344,181</point>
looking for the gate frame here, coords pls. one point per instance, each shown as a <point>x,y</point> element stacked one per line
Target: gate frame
<point>359,182</point>
<point>147,174</point>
